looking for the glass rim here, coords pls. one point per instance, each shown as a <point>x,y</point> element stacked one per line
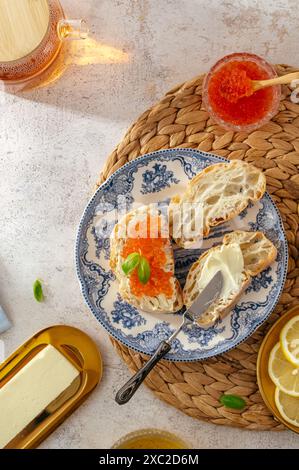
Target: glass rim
<point>146,432</point>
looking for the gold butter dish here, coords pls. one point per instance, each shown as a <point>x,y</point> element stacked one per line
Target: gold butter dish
<point>43,382</point>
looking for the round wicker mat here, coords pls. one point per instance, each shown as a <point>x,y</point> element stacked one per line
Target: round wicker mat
<point>179,120</point>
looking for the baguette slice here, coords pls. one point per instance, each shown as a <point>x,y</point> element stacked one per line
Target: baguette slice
<point>160,303</point>
<point>257,252</point>
<point>220,192</point>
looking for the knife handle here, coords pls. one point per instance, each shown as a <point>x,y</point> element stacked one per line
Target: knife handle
<point>129,389</point>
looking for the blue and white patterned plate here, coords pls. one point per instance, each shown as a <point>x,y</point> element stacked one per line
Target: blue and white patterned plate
<point>157,177</point>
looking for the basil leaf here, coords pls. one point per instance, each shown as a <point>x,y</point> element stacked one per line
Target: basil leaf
<point>131,263</point>
<point>232,401</point>
<point>144,270</point>
<point>38,291</point>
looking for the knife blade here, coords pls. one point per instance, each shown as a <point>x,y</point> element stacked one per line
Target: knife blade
<point>207,296</point>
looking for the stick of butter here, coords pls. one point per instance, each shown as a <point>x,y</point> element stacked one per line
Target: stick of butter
<point>32,389</point>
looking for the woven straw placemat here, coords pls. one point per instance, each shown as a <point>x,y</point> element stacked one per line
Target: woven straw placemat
<point>179,120</point>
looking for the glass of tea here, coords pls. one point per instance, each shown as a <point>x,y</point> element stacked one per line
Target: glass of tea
<point>150,439</point>
<point>31,36</point>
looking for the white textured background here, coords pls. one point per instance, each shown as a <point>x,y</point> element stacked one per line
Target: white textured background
<point>53,142</point>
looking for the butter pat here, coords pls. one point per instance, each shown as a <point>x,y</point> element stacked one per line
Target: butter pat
<point>229,260</point>
<point>32,389</point>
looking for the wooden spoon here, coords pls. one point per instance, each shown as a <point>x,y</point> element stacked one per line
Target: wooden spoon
<point>283,80</point>
<point>235,87</point>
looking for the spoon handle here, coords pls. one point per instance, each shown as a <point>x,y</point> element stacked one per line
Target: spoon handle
<point>283,80</point>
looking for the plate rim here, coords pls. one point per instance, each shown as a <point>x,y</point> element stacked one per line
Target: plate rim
<point>83,286</point>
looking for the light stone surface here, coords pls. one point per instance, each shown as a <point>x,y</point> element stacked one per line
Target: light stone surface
<point>53,142</point>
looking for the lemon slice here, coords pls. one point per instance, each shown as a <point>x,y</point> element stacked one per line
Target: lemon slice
<point>283,373</point>
<point>287,406</point>
<point>289,340</point>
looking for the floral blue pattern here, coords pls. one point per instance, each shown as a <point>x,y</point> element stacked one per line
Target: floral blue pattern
<point>102,241</point>
<point>126,314</point>
<point>264,280</point>
<point>198,335</point>
<point>157,179</point>
<point>142,331</point>
<point>122,186</point>
<point>161,332</point>
<point>266,224</point>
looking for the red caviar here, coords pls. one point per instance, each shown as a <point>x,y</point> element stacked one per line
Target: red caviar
<point>234,85</point>
<point>153,249</point>
<point>231,96</point>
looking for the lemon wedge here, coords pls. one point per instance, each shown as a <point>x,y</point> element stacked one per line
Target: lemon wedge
<point>289,340</point>
<point>287,406</point>
<point>283,373</point>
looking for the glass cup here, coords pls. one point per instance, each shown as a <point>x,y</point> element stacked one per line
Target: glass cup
<point>150,439</point>
<point>31,36</point>
<point>270,73</point>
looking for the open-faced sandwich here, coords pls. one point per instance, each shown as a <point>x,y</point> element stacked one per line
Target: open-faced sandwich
<point>141,257</point>
<point>220,192</point>
<point>241,256</point>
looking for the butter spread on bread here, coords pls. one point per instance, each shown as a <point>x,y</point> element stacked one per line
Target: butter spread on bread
<point>257,254</point>
<point>229,260</point>
<point>222,191</point>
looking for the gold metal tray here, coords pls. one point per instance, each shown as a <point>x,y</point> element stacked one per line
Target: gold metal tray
<point>266,386</point>
<point>82,352</point>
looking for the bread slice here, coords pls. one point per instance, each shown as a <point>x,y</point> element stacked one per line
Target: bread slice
<point>217,194</point>
<point>257,253</point>
<point>159,303</point>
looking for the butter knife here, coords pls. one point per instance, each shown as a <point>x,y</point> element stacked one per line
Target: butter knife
<point>208,295</point>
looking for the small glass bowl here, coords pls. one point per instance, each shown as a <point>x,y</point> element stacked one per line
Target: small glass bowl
<point>150,439</point>
<point>271,72</point>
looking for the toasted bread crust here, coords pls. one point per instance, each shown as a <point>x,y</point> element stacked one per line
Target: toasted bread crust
<point>224,190</point>
<point>249,243</point>
<point>258,251</point>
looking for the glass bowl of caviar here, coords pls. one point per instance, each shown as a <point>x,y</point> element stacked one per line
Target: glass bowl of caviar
<point>228,95</point>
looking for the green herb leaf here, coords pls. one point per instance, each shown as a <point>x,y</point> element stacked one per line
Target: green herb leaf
<point>233,401</point>
<point>144,270</point>
<point>131,262</point>
<point>38,291</point>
